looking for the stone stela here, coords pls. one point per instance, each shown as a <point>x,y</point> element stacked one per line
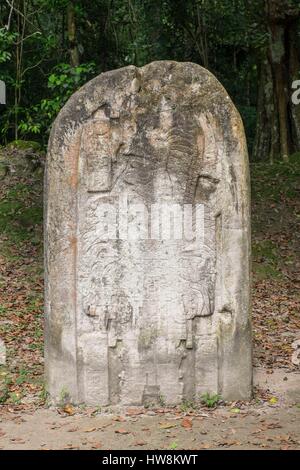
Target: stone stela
<point>163,315</point>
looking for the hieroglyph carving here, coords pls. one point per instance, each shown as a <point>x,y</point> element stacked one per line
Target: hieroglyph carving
<point>147,227</point>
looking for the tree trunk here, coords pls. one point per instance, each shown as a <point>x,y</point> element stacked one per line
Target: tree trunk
<point>266,140</point>
<point>73,47</point>
<point>278,120</point>
<point>294,62</point>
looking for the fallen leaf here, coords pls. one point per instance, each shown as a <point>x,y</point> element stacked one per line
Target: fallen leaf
<point>167,425</point>
<point>230,443</point>
<point>69,409</point>
<point>273,400</point>
<point>122,431</point>
<point>235,410</point>
<point>134,412</point>
<point>119,418</point>
<point>70,447</point>
<point>90,430</point>
<point>205,446</point>
<point>105,425</point>
<point>273,426</point>
<point>187,423</point>
<point>139,443</point>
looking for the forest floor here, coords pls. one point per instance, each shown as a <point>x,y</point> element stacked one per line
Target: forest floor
<point>269,421</point>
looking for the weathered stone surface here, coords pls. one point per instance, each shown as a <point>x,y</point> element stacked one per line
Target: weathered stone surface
<point>141,318</point>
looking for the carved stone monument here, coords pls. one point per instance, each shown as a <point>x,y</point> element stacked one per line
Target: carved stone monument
<point>147,241</point>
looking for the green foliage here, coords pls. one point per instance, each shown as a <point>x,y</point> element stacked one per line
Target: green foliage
<point>5,381</point>
<point>210,400</point>
<point>24,145</point>
<point>44,395</point>
<point>277,181</point>
<point>6,40</point>
<point>173,446</point>
<point>63,82</point>
<point>23,377</point>
<point>228,37</point>
<point>19,213</point>
<point>187,405</point>
<point>64,396</point>
<point>275,190</point>
<point>265,259</point>
<point>36,51</point>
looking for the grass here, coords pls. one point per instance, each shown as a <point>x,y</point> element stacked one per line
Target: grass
<point>21,290</point>
<point>274,183</point>
<point>20,212</point>
<point>266,259</point>
<point>275,217</point>
<point>187,405</point>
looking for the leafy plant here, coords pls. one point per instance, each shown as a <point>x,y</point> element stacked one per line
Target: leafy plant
<point>173,446</point>
<point>23,377</point>
<point>6,40</point>
<point>187,405</point>
<point>210,400</point>
<point>64,396</point>
<point>162,400</point>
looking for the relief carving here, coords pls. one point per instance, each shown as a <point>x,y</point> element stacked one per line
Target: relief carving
<point>144,317</point>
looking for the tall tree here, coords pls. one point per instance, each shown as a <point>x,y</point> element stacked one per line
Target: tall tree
<point>278,122</point>
<point>72,36</point>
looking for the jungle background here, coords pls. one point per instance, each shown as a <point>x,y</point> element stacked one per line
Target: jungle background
<point>48,49</point>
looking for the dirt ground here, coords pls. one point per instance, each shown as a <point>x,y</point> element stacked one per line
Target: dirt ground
<point>270,421</point>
